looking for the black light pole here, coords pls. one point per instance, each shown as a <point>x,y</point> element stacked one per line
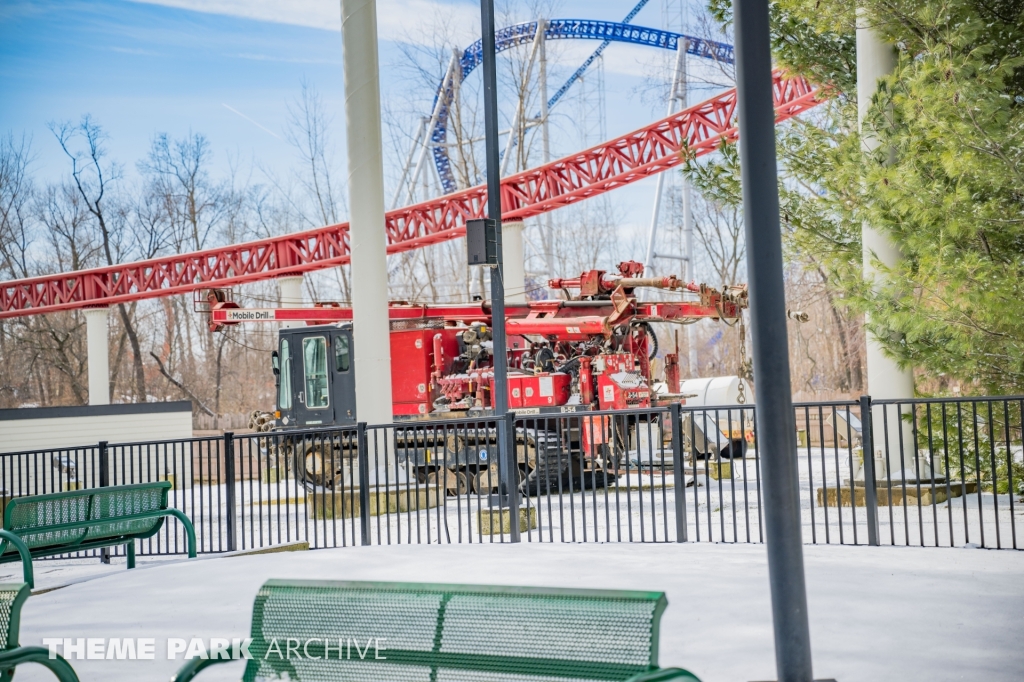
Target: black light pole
<point>776,426</point>
<point>494,204</point>
<point>509,492</point>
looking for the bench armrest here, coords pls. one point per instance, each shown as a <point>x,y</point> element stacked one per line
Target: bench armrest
<point>665,674</point>
<point>61,669</point>
<point>7,536</point>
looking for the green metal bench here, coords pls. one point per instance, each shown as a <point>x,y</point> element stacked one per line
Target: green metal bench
<point>12,597</point>
<point>78,520</point>
<point>398,632</point>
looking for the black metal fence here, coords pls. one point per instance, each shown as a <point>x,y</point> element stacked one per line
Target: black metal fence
<point>937,472</point>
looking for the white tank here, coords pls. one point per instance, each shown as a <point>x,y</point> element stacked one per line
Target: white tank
<point>719,391</point>
<point>731,390</point>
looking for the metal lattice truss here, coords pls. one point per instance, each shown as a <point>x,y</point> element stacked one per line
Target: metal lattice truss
<point>621,161</point>
<point>557,29</point>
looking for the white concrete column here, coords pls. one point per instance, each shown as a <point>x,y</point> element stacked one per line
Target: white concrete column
<point>291,295</point>
<point>875,60</point>
<point>98,354</point>
<point>683,90</point>
<point>513,261</point>
<point>372,349</point>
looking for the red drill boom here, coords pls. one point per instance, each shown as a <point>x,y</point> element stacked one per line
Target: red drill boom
<point>593,350</point>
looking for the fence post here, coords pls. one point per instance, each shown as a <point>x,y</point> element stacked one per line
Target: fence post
<point>104,482</point>
<point>511,482</point>
<point>867,446</point>
<point>363,456</point>
<point>675,415</point>
<point>229,480</point>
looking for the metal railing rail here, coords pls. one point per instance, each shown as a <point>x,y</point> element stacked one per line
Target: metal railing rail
<point>936,472</point>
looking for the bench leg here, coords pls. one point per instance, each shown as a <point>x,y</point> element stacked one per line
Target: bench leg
<point>130,551</point>
<point>190,532</point>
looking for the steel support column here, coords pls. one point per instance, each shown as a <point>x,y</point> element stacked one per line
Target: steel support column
<point>515,261</point>
<point>368,241</point>
<point>776,427</point>
<point>876,60</point>
<point>290,289</point>
<point>497,283</point>
<point>98,354</point>
<point>493,162</point>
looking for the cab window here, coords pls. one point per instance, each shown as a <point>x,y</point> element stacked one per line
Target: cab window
<point>284,390</point>
<point>342,356</point>
<point>314,366</point>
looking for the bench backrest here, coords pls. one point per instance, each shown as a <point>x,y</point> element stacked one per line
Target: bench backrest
<point>34,518</point>
<point>407,631</point>
<point>12,596</point>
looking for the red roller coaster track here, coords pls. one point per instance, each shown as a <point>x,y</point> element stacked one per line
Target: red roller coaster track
<point>618,162</point>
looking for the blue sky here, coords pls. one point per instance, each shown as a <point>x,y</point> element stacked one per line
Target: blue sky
<point>230,70</point>
<point>140,69</point>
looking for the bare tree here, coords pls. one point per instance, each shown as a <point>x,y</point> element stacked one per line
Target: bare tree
<point>43,355</point>
<point>95,217</point>
<point>178,174</point>
<point>94,180</point>
<point>62,211</point>
<point>720,260</point>
<point>308,131</point>
<point>719,231</point>
<point>152,230</point>
<point>16,194</point>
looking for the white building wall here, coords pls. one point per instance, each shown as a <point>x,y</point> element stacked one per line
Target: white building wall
<point>18,433</point>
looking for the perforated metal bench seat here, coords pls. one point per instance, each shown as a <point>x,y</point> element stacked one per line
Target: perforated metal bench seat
<point>319,631</point>
<point>12,597</point>
<point>78,520</point>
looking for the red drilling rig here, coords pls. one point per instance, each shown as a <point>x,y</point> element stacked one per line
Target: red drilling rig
<point>590,350</point>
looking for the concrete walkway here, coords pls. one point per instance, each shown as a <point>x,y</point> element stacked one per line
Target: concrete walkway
<point>876,613</point>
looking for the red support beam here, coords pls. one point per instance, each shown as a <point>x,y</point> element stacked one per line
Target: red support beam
<point>615,163</point>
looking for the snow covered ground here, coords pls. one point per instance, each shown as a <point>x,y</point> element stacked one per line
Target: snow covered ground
<point>887,613</point>
<point>636,507</point>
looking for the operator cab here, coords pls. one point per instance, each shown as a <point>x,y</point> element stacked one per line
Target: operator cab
<point>316,383</point>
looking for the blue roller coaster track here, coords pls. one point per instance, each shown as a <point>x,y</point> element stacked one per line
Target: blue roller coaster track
<point>562,29</point>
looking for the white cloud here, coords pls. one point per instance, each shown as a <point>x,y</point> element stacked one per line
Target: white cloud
<point>275,58</point>
<point>411,20</point>
<point>397,20</point>
<point>323,14</point>
<point>133,50</point>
